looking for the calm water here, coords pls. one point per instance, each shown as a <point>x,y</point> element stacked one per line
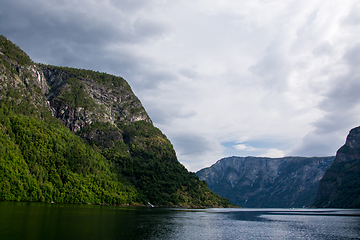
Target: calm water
<point>62,221</point>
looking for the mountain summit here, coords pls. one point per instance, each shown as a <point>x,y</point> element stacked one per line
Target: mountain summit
<point>266,182</point>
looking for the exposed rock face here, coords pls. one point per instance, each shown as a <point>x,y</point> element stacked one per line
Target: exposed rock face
<point>340,185</point>
<point>104,102</point>
<point>108,103</point>
<point>266,182</point>
<point>124,158</point>
<point>25,83</point>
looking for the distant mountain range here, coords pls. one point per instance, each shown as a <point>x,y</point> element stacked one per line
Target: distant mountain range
<point>290,181</point>
<point>260,182</point>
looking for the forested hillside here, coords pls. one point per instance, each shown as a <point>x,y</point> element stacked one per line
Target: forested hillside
<point>340,185</point>
<point>46,162</point>
<point>79,136</point>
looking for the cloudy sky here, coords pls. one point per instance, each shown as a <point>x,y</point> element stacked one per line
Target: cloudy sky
<point>219,77</point>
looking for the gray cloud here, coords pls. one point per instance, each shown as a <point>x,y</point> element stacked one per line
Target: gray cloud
<point>273,69</point>
<point>60,33</point>
<point>191,144</point>
<point>211,73</point>
<point>340,105</point>
<point>352,56</point>
<point>167,116</point>
<point>344,93</point>
<point>353,17</point>
<point>314,145</point>
<point>131,5</point>
<point>63,22</point>
<point>325,48</point>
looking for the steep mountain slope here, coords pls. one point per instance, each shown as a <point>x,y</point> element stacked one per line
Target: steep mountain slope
<point>40,159</point>
<point>266,182</point>
<point>340,185</point>
<point>74,135</point>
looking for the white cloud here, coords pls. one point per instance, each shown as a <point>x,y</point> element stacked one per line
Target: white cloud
<point>243,147</point>
<point>273,153</point>
<point>281,74</point>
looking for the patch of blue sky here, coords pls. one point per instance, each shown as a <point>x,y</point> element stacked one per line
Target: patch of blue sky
<point>251,148</point>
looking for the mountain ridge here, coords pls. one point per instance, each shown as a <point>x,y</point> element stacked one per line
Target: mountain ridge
<point>77,134</point>
<point>266,182</point>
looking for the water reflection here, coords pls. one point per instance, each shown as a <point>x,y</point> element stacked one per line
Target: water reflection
<point>62,221</point>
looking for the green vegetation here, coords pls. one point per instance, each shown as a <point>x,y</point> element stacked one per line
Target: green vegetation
<point>123,163</point>
<point>46,162</point>
<point>152,166</point>
<point>145,157</point>
<point>77,97</point>
<point>14,52</point>
<point>340,185</point>
<point>344,179</point>
<point>100,77</point>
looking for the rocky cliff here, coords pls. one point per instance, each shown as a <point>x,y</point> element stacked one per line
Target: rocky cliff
<point>340,185</point>
<point>79,136</point>
<point>266,182</point>
<point>79,98</point>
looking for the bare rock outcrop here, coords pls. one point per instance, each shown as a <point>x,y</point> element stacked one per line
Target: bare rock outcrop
<point>266,182</point>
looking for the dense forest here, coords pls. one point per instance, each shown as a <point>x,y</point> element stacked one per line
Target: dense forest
<point>61,141</point>
<point>46,162</point>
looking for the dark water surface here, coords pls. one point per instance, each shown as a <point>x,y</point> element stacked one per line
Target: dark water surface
<point>63,221</point>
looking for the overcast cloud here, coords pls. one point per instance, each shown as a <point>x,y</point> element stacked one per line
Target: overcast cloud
<point>219,77</point>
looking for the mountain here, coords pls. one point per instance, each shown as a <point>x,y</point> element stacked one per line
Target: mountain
<point>260,182</point>
<point>340,185</point>
<point>80,136</point>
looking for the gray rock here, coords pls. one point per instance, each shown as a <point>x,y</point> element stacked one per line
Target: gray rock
<point>266,182</point>
<point>111,104</point>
